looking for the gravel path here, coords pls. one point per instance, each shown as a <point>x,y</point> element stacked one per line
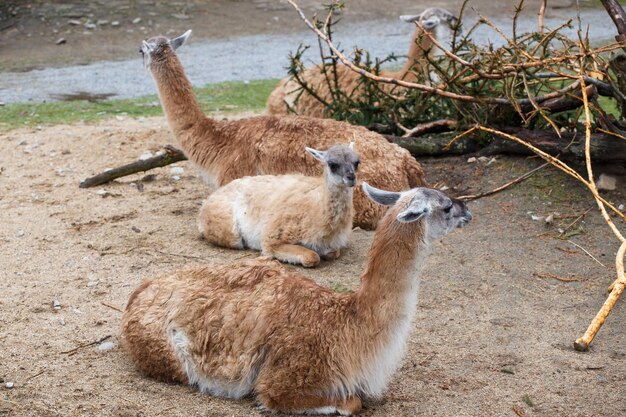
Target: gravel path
<point>212,61</point>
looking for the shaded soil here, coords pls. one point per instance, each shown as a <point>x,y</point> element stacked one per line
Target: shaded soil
<point>37,34</point>
<point>494,325</point>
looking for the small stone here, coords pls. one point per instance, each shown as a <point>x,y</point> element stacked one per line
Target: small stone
<point>444,188</point>
<point>92,284</point>
<point>483,159</point>
<point>119,118</point>
<point>535,218</point>
<point>606,182</point>
<point>9,385</point>
<point>104,346</point>
<point>620,207</point>
<point>149,178</point>
<point>20,233</point>
<point>136,20</point>
<point>62,321</point>
<point>135,229</point>
<point>102,22</point>
<point>177,170</point>
<point>90,25</point>
<point>1,103</point>
<point>471,160</point>
<point>102,193</point>
<point>491,161</point>
<point>176,177</point>
<point>145,155</point>
<point>549,219</point>
<point>74,22</point>
<point>115,23</point>
<point>61,41</point>
<point>137,185</point>
<point>56,305</point>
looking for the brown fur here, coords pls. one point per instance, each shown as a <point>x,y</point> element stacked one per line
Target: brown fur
<point>258,327</point>
<point>287,91</point>
<point>226,150</point>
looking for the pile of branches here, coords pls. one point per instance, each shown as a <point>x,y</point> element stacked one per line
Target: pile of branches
<point>541,81</point>
<point>534,81</point>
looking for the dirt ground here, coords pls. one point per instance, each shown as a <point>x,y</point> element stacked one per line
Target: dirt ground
<point>500,304</point>
<point>501,301</point>
<point>37,33</point>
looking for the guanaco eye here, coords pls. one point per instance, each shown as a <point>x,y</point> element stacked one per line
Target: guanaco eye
<point>356,165</point>
<point>333,166</point>
<point>447,209</point>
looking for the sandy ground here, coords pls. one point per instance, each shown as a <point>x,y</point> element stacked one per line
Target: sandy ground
<point>493,331</point>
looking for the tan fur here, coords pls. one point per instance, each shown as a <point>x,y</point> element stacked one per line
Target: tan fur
<point>226,150</point>
<point>258,327</point>
<point>288,92</point>
<point>299,218</point>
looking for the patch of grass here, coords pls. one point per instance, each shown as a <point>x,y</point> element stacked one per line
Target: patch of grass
<point>528,401</point>
<point>339,287</point>
<point>228,97</point>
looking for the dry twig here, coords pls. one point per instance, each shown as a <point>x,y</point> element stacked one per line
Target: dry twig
<point>77,348</point>
<point>112,307</point>
<point>527,175</point>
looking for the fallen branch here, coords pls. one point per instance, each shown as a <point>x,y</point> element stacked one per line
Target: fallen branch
<point>76,349</point>
<point>436,125</point>
<point>170,156</point>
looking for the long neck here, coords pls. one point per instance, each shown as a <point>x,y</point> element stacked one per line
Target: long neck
<point>179,103</point>
<point>337,203</point>
<point>389,284</point>
<point>420,43</point>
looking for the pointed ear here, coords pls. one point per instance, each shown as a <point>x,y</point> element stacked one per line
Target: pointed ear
<point>147,46</point>
<point>410,18</point>
<point>418,208</point>
<point>180,41</point>
<point>386,198</point>
<point>319,155</point>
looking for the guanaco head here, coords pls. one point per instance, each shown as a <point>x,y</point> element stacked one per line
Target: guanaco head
<point>340,164</point>
<point>431,18</point>
<point>436,21</point>
<point>440,213</point>
<point>157,48</point>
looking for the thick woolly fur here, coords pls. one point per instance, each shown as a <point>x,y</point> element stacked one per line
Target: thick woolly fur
<point>289,95</point>
<point>226,150</point>
<point>293,218</point>
<point>259,328</point>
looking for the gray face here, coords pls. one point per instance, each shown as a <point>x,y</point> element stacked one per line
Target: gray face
<point>341,164</point>
<point>432,17</point>
<point>439,212</point>
<point>155,48</point>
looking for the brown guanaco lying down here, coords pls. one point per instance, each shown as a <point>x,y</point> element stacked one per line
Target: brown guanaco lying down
<point>259,328</point>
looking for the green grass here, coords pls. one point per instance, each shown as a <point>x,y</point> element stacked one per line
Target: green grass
<point>228,97</point>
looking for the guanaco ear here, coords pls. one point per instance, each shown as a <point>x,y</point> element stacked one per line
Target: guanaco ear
<point>319,155</point>
<point>410,18</point>
<point>147,47</point>
<point>180,41</point>
<point>418,208</point>
<point>386,198</point>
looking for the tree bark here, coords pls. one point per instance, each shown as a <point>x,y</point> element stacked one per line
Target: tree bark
<point>570,146</point>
